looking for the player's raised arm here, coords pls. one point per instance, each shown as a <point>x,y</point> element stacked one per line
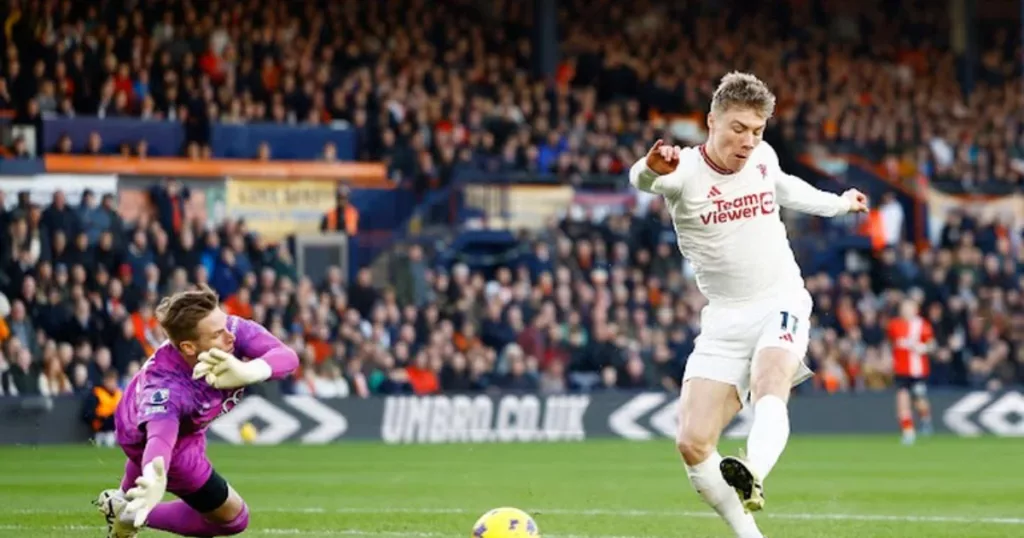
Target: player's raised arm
<point>795,193</point>
<point>254,341</point>
<point>656,171</point>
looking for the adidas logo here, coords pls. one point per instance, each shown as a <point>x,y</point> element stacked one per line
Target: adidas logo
<point>787,337</point>
<point>714,192</point>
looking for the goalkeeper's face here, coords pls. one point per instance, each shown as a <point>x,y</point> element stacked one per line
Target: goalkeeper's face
<point>735,132</point>
<point>212,333</point>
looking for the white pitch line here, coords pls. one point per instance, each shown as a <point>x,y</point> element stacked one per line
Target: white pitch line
<point>48,528</point>
<point>674,513</point>
<point>808,516</point>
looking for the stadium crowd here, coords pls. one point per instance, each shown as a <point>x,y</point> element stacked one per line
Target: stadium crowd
<point>593,305</point>
<point>432,87</point>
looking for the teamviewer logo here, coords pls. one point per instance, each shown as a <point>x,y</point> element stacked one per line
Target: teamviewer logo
<point>744,207</point>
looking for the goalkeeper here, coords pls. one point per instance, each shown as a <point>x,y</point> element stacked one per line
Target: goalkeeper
<point>199,374</point>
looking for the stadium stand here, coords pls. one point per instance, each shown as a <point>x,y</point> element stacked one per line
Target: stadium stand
<point>589,303</point>
<point>470,98</point>
<point>583,310</point>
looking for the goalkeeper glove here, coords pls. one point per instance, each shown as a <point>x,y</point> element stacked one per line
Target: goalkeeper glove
<point>223,370</point>
<point>148,491</point>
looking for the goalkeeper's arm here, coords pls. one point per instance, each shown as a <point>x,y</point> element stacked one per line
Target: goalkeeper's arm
<point>278,360</point>
<point>150,487</point>
<point>281,360</point>
<point>161,436</point>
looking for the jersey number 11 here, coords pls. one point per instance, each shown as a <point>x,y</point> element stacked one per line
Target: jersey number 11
<point>789,323</point>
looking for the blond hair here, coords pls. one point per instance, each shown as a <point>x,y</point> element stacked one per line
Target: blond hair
<point>743,90</point>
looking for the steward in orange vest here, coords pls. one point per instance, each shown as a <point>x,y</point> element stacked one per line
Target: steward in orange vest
<point>343,217</point>
<point>99,409</point>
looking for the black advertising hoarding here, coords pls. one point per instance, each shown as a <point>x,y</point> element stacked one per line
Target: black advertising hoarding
<point>486,418</point>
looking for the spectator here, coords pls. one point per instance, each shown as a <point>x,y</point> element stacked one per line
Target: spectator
<point>98,409</point>
<point>19,149</point>
<point>411,273</point>
<point>170,200</point>
<point>20,325</point>
<point>65,146</point>
<point>101,367</point>
<point>94,145</point>
<point>240,304</point>
<point>330,153</point>
<point>59,217</point>
<point>147,331</point>
<point>55,382</point>
<point>521,373</point>
<point>600,302</point>
<point>552,379</point>
<point>421,374</point>
<point>139,255</point>
<point>82,326</point>
<point>263,152</point>
<point>323,381</point>
<point>23,377</point>
<point>126,348</point>
<point>344,217</point>
<point>92,217</point>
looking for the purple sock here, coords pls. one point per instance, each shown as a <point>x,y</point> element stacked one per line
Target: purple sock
<point>179,518</point>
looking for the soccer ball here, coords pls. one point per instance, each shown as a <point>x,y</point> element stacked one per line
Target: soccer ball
<point>505,523</point>
<point>248,433</point>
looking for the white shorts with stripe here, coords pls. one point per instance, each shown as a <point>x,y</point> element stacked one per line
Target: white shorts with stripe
<point>732,335</point>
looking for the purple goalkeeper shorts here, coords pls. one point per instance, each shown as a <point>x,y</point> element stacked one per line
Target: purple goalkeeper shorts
<point>189,469</point>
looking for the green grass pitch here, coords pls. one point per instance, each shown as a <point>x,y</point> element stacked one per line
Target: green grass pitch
<point>863,487</point>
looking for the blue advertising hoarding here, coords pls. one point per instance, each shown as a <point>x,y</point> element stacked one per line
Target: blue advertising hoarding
<point>167,138</point>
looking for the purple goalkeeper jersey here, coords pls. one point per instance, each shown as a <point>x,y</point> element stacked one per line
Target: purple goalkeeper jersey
<point>164,388</point>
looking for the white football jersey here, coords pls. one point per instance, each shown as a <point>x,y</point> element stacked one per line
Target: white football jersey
<point>728,224</point>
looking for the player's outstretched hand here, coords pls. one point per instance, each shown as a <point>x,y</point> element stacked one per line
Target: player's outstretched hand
<point>663,159</point>
<point>858,201</point>
<point>148,491</point>
<point>223,370</point>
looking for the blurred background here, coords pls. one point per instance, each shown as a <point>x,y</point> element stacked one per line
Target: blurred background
<point>430,198</point>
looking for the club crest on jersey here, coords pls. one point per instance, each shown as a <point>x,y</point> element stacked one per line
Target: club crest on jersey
<point>743,207</point>
<point>764,171</point>
<point>160,396</point>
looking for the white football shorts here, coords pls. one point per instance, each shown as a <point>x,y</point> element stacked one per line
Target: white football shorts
<point>732,335</point>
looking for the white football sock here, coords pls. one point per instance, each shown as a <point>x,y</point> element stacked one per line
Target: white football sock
<point>706,478</point>
<point>768,434</point>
